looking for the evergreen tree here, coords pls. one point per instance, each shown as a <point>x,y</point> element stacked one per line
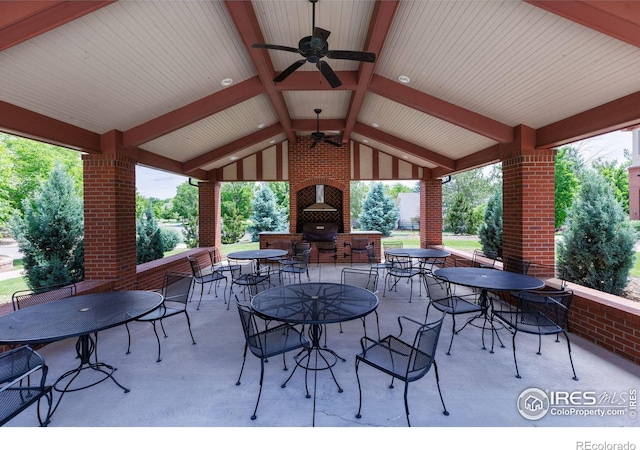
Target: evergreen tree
<point>190,232</point>
<point>358,194</point>
<point>51,232</point>
<point>266,215</point>
<point>457,219</point>
<point>233,225</point>
<point>597,246</point>
<point>567,166</point>
<point>378,211</point>
<point>149,242</point>
<point>490,231</point>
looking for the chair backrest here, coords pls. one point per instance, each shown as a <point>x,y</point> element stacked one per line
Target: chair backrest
<point>486,259</point>
<point>437,288</point>
<point>400,262</point>
<point>196,268</point>
<point>304,258</point>
<point>554,305</point>
<point>371,254</point>
<point>516,265</point>
<point>176,287</point>
<point>24,299</point>
<point>245,267</point>
<point>364,278</point>
<point>425,345</point>
<point>249,327</point>
<point>299,247</point>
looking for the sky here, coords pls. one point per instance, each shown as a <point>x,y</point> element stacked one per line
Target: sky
<point>610,146</point>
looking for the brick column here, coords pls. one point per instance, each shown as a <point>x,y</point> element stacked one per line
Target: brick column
<point>528,209</point>
<point>210,222</point>
<point>431,211</point>
<point>110,214</point>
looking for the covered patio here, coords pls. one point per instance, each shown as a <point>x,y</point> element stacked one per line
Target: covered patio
<point>178,86</point>
<point>194,385</point>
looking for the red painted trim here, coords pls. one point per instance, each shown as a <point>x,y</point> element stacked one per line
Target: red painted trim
<point>379,26</point>
<point>36,20</point>
<point>259,156</point>
<point>193,112</point>
<point>226,150</point>
<point>408,147</point>
<point>244,17</point>
<point>376,164</point>
<point>618,19</point>
<point>28,124</point>
<point>279,162</point>
<point>356,160</point>
<point>443,110</point>
<point>395,170</point>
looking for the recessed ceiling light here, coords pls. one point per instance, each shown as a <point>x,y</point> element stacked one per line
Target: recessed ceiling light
<point>233,158</point>
<point>272,141</point>
<point>226,82</point>
<point>261,125</point>
<point>365,140</point>
<point>374,125</point>
<point>403,79</point>
<point>405,157</point>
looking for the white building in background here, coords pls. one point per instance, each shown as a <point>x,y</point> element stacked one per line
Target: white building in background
<point>408,204</point>
<point>634,177</point>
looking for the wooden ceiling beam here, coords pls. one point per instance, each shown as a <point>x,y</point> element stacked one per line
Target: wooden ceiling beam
<point>23,20</point>
<point>193,112</point>
<point>244,17</point>
<point>406,146</point>
<point>441,109</point>
<point>226,150</point>
<point>379,26</point>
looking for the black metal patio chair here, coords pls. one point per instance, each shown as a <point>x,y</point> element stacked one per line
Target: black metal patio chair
<point>407,361</point>
<point>17,366</point>
<point>536,312</point>
<point>267,342</point>
<point>175,291</point>
<point>209,276</point>
<point>291,268</point>
<point>356,246</point>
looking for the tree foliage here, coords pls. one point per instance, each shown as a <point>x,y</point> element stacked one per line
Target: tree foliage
<point>358,193</point>
<point>266,215</point>
<point>567,167</point>
<point>281,191</point>
<point>618,176</point>
<point>597,246</point>
<point>379,212</point>
<point>149,241</point>
<point>476,186</point>
<point>50,233</point>
<point>395,189</point>
<point>490,230</point>
<point>25,165</point>
<point>459,216</point>
<point>185,203</point>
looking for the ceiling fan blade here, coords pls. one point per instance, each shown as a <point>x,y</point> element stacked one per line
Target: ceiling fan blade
<point>289,70</point>
<point>313,144</point>
<point>329,74</point>
<point>321,33</point>
<point>352,55</point>
<point>276,47</point>
<point>334,143</point>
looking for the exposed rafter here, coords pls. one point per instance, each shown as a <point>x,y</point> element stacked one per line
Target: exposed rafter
<point>229,149</point>
<point>246,22</point>
<point>193,112</point>
<point>618,19</point>
<point>23,20</point>
<point>379,26</point>
<point>405,146</point>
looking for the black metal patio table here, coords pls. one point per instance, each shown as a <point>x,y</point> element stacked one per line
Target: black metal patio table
<point>488,279</point>
<point>257,255</point>
<point>79,317</point>
<point>422,253</point>
<point>315,305</point>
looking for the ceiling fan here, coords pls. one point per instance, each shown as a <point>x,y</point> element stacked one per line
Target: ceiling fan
<point>319,136</point>
<point>315,47</point>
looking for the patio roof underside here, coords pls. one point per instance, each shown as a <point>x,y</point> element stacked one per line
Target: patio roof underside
<point>72,71</point>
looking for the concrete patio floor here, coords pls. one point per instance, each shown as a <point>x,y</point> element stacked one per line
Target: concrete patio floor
<point>195,385</point>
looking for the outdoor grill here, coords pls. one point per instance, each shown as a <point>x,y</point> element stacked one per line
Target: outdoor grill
<point>325,237</point>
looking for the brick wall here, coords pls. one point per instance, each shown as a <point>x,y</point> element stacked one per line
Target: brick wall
<point>431,211</point>
<point>323,164</point>
<point>209,221</point>
<point>110,218</point>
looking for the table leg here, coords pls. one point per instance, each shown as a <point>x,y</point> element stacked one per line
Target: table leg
<point>85,348</point>
<point>484,303</point>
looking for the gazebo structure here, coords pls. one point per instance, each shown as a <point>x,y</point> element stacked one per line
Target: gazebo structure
<point>178,86</point>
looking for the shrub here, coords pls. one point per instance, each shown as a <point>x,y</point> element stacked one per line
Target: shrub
<point>490,230</point>
<point>378,211</point>
<point>597,245</point>
<point>169,238</point>
<point>51,232</point>
<point>149,245</point>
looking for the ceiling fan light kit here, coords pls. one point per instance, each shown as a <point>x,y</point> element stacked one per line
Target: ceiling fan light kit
<point>315,47</point>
